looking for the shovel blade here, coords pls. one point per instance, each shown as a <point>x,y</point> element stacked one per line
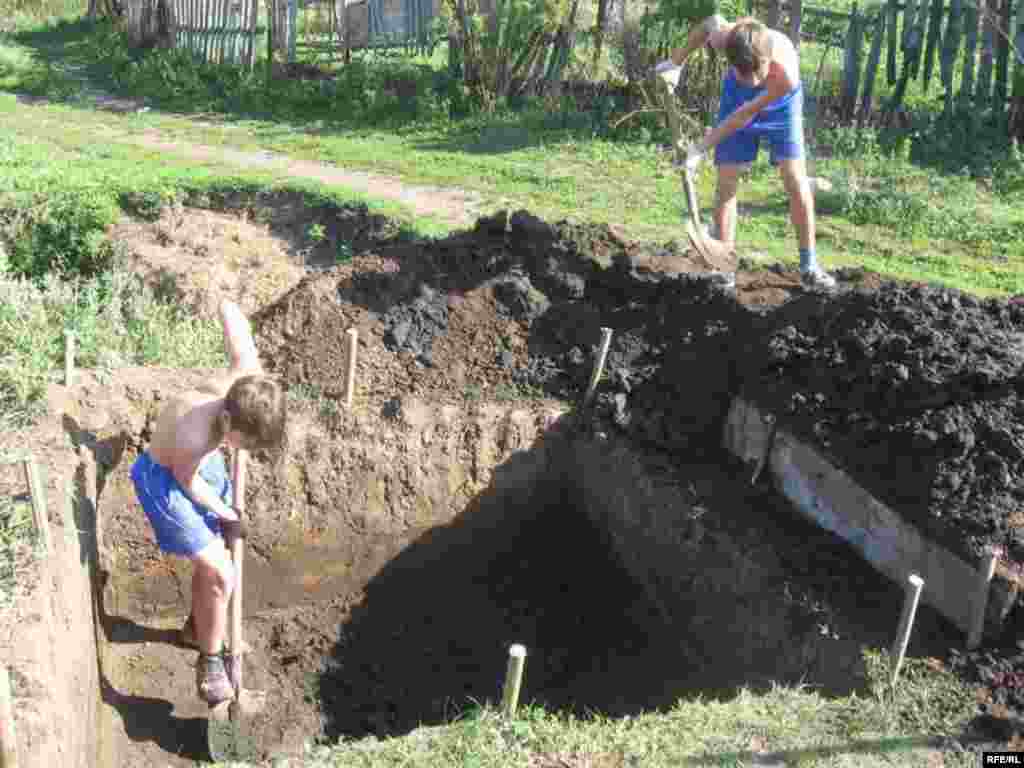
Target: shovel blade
<point>229,733</point>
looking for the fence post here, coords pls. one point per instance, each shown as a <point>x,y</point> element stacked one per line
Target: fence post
<point>851,63</point>
<point>8,742</point>
<point>292,32</point>
<point>912,595</point>
<point>513,679</point>
<point>796,19</point>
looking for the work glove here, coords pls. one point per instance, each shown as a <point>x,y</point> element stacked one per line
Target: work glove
<point>669,71</point>
<point>694,154</point>
<point>234,529</point>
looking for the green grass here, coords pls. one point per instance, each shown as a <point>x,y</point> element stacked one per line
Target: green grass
<point>913,215</point>
<point>18,548</point>
<point>59,192</point>
<point>800,727</point>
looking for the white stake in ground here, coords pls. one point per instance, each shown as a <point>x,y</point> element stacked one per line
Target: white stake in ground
<point>912,595</point>
<point>69,357</point>
<point>350,379</point>
<point>602,355</point>
<point>979,603</point>
<point>8,743</point>
<point>513,679</point>
<point>38,496</point>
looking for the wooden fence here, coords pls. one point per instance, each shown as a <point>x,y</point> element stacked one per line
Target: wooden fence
<point>221,31</point>
<point>922,40</point>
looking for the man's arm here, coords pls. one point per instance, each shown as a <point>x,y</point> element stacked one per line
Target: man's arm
<point>775,88</point>
<point>712,31</point>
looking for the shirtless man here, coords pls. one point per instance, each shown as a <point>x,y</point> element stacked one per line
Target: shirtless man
<point>183,485</point>
<point>761,97</point>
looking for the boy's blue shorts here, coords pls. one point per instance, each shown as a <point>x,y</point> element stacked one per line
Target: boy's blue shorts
<point>182,526</point>
<point>781,122</point>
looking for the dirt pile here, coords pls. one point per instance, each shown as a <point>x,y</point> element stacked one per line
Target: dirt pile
<point>912,388</point>
<point>915,390</point>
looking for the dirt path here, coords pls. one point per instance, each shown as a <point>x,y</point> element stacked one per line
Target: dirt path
<point>452,206</point>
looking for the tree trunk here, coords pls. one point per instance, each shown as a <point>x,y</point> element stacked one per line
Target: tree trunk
<point>599,28</point>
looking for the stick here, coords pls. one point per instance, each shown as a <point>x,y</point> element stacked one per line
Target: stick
<point>979,605</point>
<point>69,357</point>
<point>350,381</point>
<point>8,742</point>
<point>513,679</point>
<point>235,602</point>
<point>606,341</point>
<point>912,594</point>
<point>38,495</point>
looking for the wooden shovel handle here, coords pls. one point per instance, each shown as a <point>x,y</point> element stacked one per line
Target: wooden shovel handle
<point>237,552</point>
<point>691,200</point>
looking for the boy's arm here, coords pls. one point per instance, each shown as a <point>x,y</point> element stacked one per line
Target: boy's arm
<point>712,31</point>
<point>241,348</point>
<point>243,358</point>
<point>201,492</point>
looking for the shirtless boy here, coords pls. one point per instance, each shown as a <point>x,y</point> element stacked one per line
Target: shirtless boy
<point>761,97</point>
<point>184,487</point>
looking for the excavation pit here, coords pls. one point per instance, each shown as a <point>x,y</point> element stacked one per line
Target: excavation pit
<point>633,580</point>
<point>462,504</point>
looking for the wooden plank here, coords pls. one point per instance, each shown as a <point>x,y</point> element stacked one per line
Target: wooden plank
<point>874,58</point>
<point>892,26</point>
<point>1003,53</point>
<point>934,34</point>
<point>970,55</point>
<point>950,47</point>
<point>990,15</point>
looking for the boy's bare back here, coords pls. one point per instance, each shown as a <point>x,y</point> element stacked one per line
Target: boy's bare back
<point>186,429</point>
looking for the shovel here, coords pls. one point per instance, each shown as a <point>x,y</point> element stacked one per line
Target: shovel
<point>716,256</point>
<point>229,733</point>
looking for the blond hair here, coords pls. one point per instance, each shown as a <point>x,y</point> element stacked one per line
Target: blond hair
<point>749,46</point>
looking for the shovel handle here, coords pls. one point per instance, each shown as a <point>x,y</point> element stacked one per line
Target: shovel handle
<point>691,199</point>
<point>235,602</point>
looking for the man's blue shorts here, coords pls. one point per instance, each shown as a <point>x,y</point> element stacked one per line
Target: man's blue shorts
<point>781,122</point>
<point>182,526</point>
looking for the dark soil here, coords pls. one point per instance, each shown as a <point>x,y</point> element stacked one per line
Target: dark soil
<point>915,391</point>
<point>912,389</point>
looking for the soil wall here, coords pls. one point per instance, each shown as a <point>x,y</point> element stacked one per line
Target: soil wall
<point>719,584</point>
<point>50,645</point>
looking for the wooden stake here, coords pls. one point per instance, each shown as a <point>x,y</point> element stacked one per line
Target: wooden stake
<point>513,679</point>
<point>38,495</point>
<point>911,597</point>
<point>8,742</point>
<point>69,357</point>
<point>979,603</point>
<point>350,380</point>
<point>606,341</point>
